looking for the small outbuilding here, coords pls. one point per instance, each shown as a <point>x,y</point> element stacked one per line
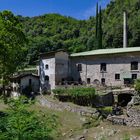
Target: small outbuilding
<point>28,82</point>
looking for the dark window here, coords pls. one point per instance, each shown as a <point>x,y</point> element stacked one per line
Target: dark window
<point>134,65</point>
<point>30,81</point>
<point>134,76</point>
<point>47,66</point>
<point>117,76</point>
<point>88,80</point>
<point>103,67</point>
<point>79,80</point>
<point>46,78</point>
<point>79,67</point>
<point>103,81</point>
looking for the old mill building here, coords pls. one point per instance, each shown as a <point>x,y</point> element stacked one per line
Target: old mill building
<point>110,67</point>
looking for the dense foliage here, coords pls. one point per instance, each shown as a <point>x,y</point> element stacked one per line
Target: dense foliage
<point>12,43</point>
<point>18,123</point>
<point>137,86</point>
<point>82,96</point>
<point>12,46</point>
<point>76,92</point>
<point>53,31</point>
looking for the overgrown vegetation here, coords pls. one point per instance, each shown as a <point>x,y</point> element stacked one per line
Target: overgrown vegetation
<point>137,86</point>
<point>18,123</point>
<point>81,96</point>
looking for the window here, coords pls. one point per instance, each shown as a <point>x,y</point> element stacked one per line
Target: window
<point>88,80</point>
<point>103,67</point>
<point>134,65</point>
<point>79,67</point>
<point>134,76</point>
<point>47,66</point>
<point>46,78</point>
<point>117,76</point>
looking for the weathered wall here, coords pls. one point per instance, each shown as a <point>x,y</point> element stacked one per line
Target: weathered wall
<point>24,82</point>
<point>50,72</point>
<point>62,66</point>
<point>120,64</point>
<point>58,68</point>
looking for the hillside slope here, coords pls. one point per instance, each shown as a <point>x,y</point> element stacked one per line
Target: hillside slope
<point>53,31</point>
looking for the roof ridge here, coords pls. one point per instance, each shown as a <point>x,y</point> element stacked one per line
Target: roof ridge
<point>106,51</point>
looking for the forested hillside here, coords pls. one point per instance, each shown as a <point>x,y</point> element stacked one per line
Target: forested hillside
<point>53,31</point>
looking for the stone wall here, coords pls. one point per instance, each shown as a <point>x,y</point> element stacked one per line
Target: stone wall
<point>133,116</point>
<point>104,100</point>
<point>116,64</point>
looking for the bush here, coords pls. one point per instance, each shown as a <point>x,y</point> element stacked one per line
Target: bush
<point>137,86</point>
<point>88,92</point>
<point>81,96</point>
<point>91,122</point>
<point>105,111</point>
<point>60,91</point>
<point>20,124</point>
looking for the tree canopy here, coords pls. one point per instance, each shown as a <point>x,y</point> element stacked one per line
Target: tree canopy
<point>12,44</point>
<point>53,31</point>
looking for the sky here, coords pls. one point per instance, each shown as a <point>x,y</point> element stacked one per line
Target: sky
<point>80,9</point>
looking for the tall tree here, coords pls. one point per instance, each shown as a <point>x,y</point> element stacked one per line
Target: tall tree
<point>97,20</point>
<point>12,45</point>
<point>100,30</point>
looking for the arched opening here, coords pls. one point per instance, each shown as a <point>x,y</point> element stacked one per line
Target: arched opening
<point>124,99</point>
<point>96,82</point>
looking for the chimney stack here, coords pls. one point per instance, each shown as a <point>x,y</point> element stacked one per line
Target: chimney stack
<point>124,29</point>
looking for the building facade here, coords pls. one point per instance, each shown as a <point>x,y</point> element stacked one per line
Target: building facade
<point>53,68</point>
<point>110,67</point>
<point>21,82</point>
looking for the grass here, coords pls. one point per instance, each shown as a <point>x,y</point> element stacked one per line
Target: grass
<point>71,125</point>
<point>2,105</point>
<point>68,122</point>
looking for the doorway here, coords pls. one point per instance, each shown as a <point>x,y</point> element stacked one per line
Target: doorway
<point>103,81</point>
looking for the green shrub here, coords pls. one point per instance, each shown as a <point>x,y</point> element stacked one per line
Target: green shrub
<point>76,92</point>
<point>91,122</point>
<point>107,109</point>
<point>81,96</point>
<point>137,86</point>
<point>20,124</point>
<point>60,91</point>
<point>126,137</point>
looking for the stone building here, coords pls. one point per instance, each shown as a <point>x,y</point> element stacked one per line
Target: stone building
<point>22,82</point>
<point>53,68</point>
<point>110,67</point>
